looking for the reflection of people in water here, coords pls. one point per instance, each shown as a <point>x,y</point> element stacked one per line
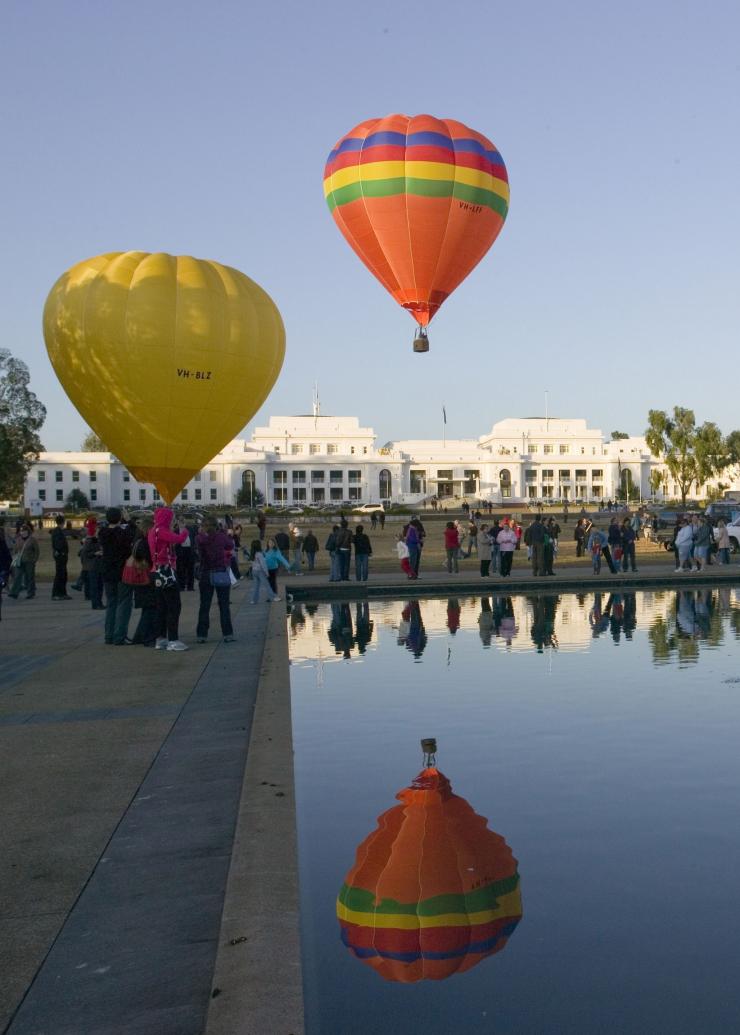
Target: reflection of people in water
<point>598,621</point>
<point>503,618</point>
<point>453,615</point>
<point>485,621</point>
<point>363,625</point>
<point>297,619</point>
<point>340,630</point>
<point>416,640</point>
<point>630,615</point>
<point>616,616</point>
<point>543,622</point>
<point>311,609</point>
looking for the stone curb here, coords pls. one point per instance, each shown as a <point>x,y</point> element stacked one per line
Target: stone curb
<point>257,984</point>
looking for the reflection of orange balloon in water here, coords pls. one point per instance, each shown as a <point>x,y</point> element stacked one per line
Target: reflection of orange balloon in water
<point>433,891</point>
<point>166,357</point>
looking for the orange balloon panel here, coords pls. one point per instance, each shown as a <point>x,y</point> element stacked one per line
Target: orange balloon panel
<point>420,200</point>
<point>433,891</point>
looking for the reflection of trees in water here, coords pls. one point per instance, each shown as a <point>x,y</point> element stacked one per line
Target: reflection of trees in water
<point>696,616</point>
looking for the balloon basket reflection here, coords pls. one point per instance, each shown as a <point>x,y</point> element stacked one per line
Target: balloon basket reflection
<point>421,341</point>
<point>433,891</point>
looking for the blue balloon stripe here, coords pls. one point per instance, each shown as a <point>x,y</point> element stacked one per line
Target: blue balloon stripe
<point>473,948</point>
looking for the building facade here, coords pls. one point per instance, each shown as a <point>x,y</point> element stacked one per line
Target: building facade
<point>317,460</point>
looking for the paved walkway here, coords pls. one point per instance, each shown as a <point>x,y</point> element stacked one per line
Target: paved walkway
<point>121,772</point>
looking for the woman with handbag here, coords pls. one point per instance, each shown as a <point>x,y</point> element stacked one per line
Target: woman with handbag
<point>162,542</point>
<point>214,547</point>
<point>144,598</point>
<point>23,565</point>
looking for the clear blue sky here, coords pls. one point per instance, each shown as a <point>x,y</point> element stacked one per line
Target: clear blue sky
<point>203,129</point>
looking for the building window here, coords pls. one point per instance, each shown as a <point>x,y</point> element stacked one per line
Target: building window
<point>547,448</point>
<point>597,474</point>
<point>547,474</point>
<point>279,495</point>
<point>126,476</point>
<point>317,476</point>
<point>155,495</point>
<point>93,476</point>
<point>564,448</point>
<point>60,495</point>
<point>299,476</point>
<point>75,476</point>
<point>354,477</point>
<point>418,481</point>
<point>336,476</point>
<point>93,495</point>
<point>59,476</point>
<point>42,476</point>
<point>564,474</point>
<point>504,481</point>
<point>318,495</point>
<point>336,494</point>
<point>596,492</point>
<point>214,494</point>
<point>249,486</point>
<point>142,494</point>
<point>213,475</point>
<point>299,495</point>
<point>314,448</point>
<point>126,495</point>
<point>385,484</point>
<point>581,474</point>
<point>352,450</point>
<point>355,492</point>
<point>547,492</point>
<point>531,492</point>
<point>444,476</point>
<point>534,448</point>
<point>198,494</point>
<point>296,448</point>
<point>196,477</point>
<point>332,448</point>
<point>470,485</point>
<point>364,450</point>
<point>42,495</point>
<point>280,477</point>
<point>530,476</point>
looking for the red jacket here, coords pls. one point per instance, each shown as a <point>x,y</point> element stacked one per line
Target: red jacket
<point>452,539</point>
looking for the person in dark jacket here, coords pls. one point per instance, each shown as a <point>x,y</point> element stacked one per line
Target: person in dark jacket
<point>116,540</point>
<point>91,558</point>
<point>144,596</point>
<point>213,550</point>
<point>343,540</point>
<point>331,548</point>
<point>310,548</point>
<point>363,551</point>
<point>616,545</point>
<point>534,537</point>
<point>628,546</point>
<point>5,562</point>
<point>60,553</point>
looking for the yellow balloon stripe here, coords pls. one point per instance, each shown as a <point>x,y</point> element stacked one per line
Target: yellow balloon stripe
<point>417,170</point>
<point>509,905</point>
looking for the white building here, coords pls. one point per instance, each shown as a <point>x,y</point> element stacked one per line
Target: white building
<point>323,460</point>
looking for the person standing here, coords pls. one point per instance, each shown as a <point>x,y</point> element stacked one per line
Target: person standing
<point>403,556</point>
<point>213,547</point>
<point>335,574</point>
<point>534,538</point>
<point>552,531</point>
<point>507,544</point>
<point>261,524</point>
<point>260,574</point>
<point>472,538</point>
<point>723,542</point>
<point>144,598</point>
<point>629,535</point>
<point>566,511</point>
<point>580,534</point>
<point>91,558</point>
<point>60,553</point>
<point>296,546</point>
<point>452,547</point>
<point>5,562</point>
<point>381,519</point>
<point>23,564</point>
<point>595,545</point>
<point>421,534</point>
<point>495,548</point>
<point>684,543</point>
<point>363,552</point>
<point>484,551</point>
<point>116,540</point>
<point>310,548</point>
<point>185,553</point>
<point>162,542</point>
<point>273,558</point>
<point>702,543</point>
<point>616,548</point>
<point>343,541</point>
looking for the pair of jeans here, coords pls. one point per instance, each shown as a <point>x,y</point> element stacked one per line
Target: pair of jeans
<point>414,559</point>
<point>261,582</point>
<point>361,566</point>
<point>507,556</point>
<point>344,556</point>
<point>59,586</point>
<point>538,559</point>
<point>311,558</point>
<point>94,581</point>
<point>495,558</point>
<point>25,578</point>
<point>335,573</point>
<point>296,559</point>
<point>628,557</point>
<point>223,594</point>
<point>485,567</point>
<point>119,599</point>
<point>452,564</point>
<point>723,555</point>
<point>168,613</point>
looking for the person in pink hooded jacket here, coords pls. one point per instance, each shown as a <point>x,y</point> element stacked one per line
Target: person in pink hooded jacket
<point>162,542</point>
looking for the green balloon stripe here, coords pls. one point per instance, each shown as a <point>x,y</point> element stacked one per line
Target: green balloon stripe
<point>420,187</point>
<point>360,900</point>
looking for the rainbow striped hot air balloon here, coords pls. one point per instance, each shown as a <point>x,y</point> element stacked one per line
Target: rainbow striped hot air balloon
<point>433,891</point>
<point>420,200</point>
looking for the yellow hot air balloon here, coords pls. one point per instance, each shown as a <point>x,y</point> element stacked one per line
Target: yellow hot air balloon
<point>166,357</point>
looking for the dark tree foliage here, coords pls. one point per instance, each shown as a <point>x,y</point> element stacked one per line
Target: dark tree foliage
<point>21,418</point>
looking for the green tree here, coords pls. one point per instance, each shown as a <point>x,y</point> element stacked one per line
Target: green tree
<point>249,496</point>
<point>21,418</point>
<point>617,435</point>
<point>92,443</point>
<point>692,454</point>
<point>656,480</point>
<point>77,500</point>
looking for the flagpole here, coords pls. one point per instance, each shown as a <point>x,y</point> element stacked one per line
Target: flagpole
<point>444,427</point>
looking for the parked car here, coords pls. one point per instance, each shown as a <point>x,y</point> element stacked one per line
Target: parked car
<point>368,508</point>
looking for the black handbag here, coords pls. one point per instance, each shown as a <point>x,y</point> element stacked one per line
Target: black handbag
<point>163,575</point>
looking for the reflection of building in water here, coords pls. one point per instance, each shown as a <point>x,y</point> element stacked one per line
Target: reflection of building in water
<point>501,622</point>
<point>433,891</point>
